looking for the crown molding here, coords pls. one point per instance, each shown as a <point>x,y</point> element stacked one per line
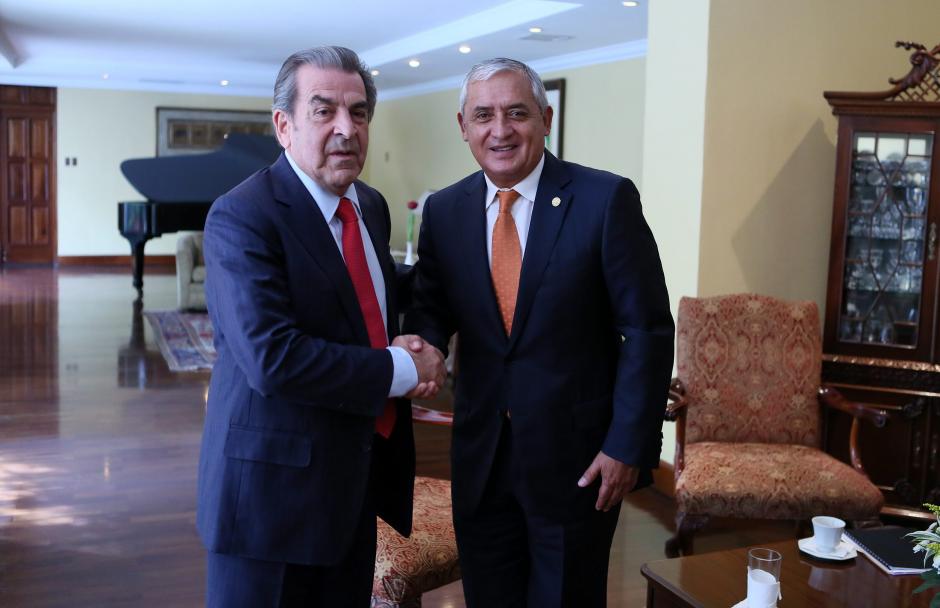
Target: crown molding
<point>617,52</point>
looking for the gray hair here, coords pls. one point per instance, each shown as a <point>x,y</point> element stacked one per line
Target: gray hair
<point>323,57</point>
<point>487,69</point>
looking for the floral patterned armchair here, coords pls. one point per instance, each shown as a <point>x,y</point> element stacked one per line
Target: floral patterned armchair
<point>746,402</point>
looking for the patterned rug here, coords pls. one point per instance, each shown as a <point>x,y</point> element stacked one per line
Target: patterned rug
<point>184,338</point>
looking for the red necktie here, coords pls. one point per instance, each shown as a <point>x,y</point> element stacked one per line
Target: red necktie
<point>355,256</point>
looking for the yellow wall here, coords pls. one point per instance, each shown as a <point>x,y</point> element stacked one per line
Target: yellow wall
<point>415,144</point>
<point>102,128</point>
<point>770,137</point>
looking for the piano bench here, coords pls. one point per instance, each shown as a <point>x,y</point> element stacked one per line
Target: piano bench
<point>407,567</point>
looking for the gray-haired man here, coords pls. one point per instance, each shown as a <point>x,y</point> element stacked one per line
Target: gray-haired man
<point>304,441</point>
<point>550,275</point>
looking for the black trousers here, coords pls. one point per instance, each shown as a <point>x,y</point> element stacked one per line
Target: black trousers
<point>241,582</point>
<point>511,558</point>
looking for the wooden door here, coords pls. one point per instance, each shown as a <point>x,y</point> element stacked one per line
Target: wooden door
<point>26,197</point>
<point>27,177</point>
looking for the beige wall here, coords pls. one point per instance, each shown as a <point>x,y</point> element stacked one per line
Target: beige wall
<point>415,143</point>
<point>674,145</point>
<point>102,128</point>
<point>770,137</point>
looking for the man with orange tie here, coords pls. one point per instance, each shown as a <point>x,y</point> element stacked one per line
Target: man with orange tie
<point>305,441</point>
<point>551,278</point>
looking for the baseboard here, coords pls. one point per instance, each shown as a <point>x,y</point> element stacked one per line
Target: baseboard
<point>150,261</point>
<point>664,479</point>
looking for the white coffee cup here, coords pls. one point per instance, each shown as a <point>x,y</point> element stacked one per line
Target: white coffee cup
<point>827,532</point>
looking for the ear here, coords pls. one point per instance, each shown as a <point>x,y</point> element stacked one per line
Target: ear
<point>463,130</point>
<point>547,118</point>
<point>282,128</point>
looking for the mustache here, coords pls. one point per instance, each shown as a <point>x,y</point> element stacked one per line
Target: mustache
<point>345,146</point>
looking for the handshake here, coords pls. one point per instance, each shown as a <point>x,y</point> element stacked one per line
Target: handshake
<point>428,361</point>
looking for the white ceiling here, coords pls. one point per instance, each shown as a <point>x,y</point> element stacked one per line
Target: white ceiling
<point>192,45</point>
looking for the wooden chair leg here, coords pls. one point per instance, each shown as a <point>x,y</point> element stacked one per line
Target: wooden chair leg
<point>687,525</point>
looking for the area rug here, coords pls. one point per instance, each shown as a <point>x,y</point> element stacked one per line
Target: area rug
<point>184,338</point>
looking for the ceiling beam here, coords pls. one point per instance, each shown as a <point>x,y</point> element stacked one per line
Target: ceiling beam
<point>8,52</point>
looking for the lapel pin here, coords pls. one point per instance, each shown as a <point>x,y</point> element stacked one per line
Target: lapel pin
<point>556,201</point>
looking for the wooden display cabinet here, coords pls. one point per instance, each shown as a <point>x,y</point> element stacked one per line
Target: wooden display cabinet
<point>882,331</point>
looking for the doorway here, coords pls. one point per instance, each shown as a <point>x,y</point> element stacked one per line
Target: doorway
<point>27,175</point>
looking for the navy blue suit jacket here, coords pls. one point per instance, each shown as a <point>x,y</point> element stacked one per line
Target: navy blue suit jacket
<point>289,439</point>
<point>588,362</point>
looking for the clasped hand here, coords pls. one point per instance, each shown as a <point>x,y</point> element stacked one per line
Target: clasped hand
<point>428,361</point>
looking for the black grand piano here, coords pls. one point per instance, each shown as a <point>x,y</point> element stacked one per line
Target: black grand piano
<point>180,189</point>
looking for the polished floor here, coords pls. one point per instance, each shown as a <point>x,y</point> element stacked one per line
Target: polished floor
<point>99,444</point>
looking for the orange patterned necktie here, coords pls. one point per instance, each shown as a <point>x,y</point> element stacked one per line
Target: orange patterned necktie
<point>507,258</point>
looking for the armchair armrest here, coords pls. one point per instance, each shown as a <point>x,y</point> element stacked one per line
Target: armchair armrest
<point>677,400</point>
<point>830,397</point>
<point>429,416</point>
<point>675,412</point>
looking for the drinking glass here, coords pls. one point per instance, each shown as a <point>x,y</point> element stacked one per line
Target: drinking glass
<point>763,577</point>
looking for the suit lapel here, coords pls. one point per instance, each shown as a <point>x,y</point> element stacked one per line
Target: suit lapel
<point>472,222</point>
<point>547,219</point>
<point>304,219</point>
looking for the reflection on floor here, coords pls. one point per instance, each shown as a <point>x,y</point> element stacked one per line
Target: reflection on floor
<point>99,444</point>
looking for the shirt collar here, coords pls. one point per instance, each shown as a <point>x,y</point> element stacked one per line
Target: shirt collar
<point>326,201</point>
<point>526,188</point>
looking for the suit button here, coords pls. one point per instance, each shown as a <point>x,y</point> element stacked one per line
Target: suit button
<point>367,447</point>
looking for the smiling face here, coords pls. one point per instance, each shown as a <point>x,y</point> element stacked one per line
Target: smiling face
<point>504,127</point>
<point>328,133</point>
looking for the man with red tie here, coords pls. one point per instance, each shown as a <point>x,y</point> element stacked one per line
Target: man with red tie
<point>305,441</point>
<point>551,278</point>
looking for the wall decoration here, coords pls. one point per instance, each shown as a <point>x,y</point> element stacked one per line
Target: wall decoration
<point>555,89</point>
<point>185,131</point>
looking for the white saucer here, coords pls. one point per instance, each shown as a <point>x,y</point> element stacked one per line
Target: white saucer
<point>842,552</point>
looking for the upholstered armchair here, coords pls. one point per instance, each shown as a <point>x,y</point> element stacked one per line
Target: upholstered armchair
<point>746,402</point>
<point>190,272</point>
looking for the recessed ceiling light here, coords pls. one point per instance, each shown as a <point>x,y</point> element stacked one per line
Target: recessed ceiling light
<point>631,3</point>
<point>224,83</point>
<point>535,30</point>
<point>105,76</point>
<point>464,49</point>
<point>375,72</point>
<point>414,63</point>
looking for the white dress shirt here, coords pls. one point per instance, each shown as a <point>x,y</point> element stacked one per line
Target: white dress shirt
<point>405,375</point>
<point>521,209</point>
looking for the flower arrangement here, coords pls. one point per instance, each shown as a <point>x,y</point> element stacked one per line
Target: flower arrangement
<point>409,240</point>
<point>928,543</point>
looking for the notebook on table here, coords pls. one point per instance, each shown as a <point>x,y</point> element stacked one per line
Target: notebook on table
<point>888,548</point>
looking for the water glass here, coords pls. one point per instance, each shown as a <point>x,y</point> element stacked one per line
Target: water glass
<point>763,578</point>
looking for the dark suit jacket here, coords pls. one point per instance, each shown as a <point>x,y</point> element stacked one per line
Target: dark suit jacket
<point>289,437</point>
<point>588,362</point>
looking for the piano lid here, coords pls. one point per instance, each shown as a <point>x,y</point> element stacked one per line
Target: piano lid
<point>201,177</point>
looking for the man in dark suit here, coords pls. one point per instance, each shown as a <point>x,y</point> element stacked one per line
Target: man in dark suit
<point>551,278</point>
<point>303,442</point>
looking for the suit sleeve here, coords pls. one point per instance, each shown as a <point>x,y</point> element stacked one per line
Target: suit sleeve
<point>637,289</point>
<point>429,315</point>
<point>249,301</point>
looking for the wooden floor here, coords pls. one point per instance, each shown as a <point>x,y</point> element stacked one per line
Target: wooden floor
<point>99,444</point>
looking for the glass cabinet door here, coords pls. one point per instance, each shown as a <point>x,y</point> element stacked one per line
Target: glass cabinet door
<point>887,239</point>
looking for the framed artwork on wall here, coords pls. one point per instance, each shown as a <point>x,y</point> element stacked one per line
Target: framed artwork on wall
<point>555,89</point>
<point>187,131</point>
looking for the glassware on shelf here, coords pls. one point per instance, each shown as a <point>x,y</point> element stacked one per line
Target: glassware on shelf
<point>916,200</point>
